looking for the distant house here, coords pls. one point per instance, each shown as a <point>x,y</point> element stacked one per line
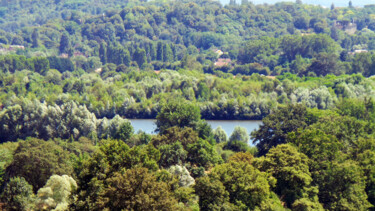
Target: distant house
<point>77,53</point>
<point>350,27</point>
<point>219,53</point>
<point>11,48</point>
<point>271,77</point>
<point>64,55</point>
<point>223,62</point>
<point>16,47</point>
<point>358,51</point>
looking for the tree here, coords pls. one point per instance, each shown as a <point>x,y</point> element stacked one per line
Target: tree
<point>350,4</point>
<point>140,57</point>
<point>244,2</point>
<point>64,43</point>
<point>301,22</point>
<point>159,52</point>
<point>56,193</point>
<point>125,131</point>
<point>112,157</point>
<point>103,53</point>
<point>172,154</point>
<point>276,126</point>
<point>220,135</point>
<point>183,175</point>
<point>340,180</point>
<point>212,194</point>
<point>17,194</point>
<point>291,170</point>
<point>175,134</point>
<point>242,157</point>
<point>35,38</point>
<point>41,65</point>
<point>239,134</point>
<point>36,160</point>
<point>177,113</point>
<point>245,187</point>
<point>136,189</point>
<point>324,64</point>
<point>201,153</point>
<point>332,6</point>
<point>343,187</point>
<point>167,53</point>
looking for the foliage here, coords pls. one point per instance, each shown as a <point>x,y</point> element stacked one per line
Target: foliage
<point>185,180</point>
<point>239,134</point>
<point>112,157</point>
<point>176,113</point>
<point>237,185</point>
<point>56,193</point>
<point>277,125</point>
<point>17,194</point>
<point>36,160</point>
<point>291,170</point>
<point>136,189</point>
<point>220,135</point>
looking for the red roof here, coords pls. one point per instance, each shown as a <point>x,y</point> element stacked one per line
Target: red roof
<point>222,62</point>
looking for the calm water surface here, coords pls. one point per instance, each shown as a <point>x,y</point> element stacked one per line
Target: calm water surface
<point>148,125</point>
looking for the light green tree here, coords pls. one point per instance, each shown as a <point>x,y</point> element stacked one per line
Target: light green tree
<point>56,193</point>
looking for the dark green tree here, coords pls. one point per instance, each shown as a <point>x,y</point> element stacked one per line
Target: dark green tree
<point>64,43</point>
<point>103,53</point>
<point>291,170</point>
<point>177,113</point>
<point>246,187</point>
<point>140,57</point>
<point>125,131</point>
<point>136,189</point>
<point>167,53</point>
<point>276,126</point>
<point>35,38</point>
<point>159,52</point>
<point>36,160</point>
<point>17,194</point>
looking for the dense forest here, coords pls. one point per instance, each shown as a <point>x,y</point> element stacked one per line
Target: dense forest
<point>72,74</point>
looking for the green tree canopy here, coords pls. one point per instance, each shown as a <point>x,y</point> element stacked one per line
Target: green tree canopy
<point>177,113</point>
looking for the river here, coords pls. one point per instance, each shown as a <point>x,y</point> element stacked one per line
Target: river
<point>148,125</point>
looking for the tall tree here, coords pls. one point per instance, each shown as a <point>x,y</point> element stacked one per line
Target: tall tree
<point>35,38</point>
<point>103,53</point>
<point>159,51</point>
<point>167,53</point>
<point>64,43</point>
<point>276,126</point>
<point>140,57</point>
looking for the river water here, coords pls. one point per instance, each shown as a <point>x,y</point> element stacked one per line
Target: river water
<point>148,125</point>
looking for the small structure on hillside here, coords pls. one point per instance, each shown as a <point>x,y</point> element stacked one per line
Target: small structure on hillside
<point>358,51</point>
<point>219,53</point>
<point>223,62</point>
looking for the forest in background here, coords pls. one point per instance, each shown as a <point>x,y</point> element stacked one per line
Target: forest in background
<point>73,72</point>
